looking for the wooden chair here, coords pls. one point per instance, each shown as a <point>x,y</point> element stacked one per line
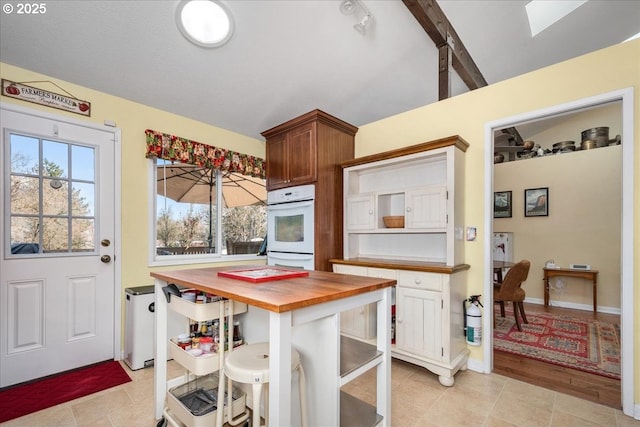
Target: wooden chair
<point>511,290</point>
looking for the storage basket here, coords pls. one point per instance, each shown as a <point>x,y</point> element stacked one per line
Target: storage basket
<point>195,403</point>
<point>393,221</point>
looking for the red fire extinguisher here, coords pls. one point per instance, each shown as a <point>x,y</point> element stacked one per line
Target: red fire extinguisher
<point>473,320</point>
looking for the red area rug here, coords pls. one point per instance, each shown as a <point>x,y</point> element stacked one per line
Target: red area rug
<point>584,344</point>
<point>40,394</point>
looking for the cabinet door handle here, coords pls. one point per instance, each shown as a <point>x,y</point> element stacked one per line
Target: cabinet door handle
<point>408,209</point>
<point>370,211</point>
<point>418,281</point>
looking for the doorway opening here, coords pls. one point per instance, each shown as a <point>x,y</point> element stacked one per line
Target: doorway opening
<point>624,233</point>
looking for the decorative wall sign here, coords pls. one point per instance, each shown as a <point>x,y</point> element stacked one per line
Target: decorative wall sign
<point>45,97</point>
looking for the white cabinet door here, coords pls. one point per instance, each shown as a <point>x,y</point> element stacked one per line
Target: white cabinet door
<point>357,322</point>
<point>419,322</point>
<point>360,212</point>
<point>427,207</point>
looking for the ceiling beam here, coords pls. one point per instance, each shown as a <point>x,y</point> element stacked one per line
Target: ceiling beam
<point>451,51</point>
<point>433,20</point>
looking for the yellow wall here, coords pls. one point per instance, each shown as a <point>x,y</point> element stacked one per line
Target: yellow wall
<point>600,72</point>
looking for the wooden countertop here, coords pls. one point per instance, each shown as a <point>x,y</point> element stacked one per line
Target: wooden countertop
<point>428,267</point>
<point>277,295</point>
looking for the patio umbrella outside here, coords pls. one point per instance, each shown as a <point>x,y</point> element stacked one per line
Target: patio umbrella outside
<point>195,184</point>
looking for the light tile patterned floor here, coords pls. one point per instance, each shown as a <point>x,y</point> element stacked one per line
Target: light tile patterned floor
<point>418,400</point>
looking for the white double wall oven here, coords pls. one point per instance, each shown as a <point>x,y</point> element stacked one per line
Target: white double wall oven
<point>290,227</point>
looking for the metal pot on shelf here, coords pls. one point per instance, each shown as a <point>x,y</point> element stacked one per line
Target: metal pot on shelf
<point>599,134</point>
<point>564,146</point>
<point>588,144</point>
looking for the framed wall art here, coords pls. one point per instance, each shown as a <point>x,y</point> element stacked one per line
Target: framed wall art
<point>502,204</point>
<point>536,202</point>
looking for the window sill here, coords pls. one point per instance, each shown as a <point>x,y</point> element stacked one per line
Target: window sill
<point>178,260</point>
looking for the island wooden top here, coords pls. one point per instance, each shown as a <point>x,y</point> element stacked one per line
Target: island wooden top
<point>277,295</point>
<point>427,267</point>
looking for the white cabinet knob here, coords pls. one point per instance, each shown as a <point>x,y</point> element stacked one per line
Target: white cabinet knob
<point>417,281</point>
<point>371,212</point>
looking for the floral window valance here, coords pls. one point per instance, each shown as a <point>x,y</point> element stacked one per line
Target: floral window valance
<point>170,147</point>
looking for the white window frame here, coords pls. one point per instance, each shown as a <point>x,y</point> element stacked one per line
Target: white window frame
<point>189,259</point>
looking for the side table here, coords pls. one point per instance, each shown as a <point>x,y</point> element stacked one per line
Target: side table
<point>571,272</point>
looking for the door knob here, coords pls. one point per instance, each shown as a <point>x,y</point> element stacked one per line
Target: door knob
<point>105,242</point>
<point>105,258</point>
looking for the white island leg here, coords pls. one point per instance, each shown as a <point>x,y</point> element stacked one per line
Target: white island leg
<point>160,360</point>
<point>279,369</point>
<point>384,368</point>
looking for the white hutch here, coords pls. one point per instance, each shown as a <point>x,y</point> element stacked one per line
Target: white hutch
<point>425,184</point>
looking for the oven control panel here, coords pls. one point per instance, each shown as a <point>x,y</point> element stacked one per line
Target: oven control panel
<point>291,194</point>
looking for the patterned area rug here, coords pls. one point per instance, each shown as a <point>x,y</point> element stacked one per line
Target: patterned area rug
<point>584,344</point>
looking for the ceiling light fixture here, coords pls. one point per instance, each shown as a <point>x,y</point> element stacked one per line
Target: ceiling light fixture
<point>206,23</point>
<point>349,7</point>
<point>361,27</point>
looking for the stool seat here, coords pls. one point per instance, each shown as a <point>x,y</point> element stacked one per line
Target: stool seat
<point>249,364</point>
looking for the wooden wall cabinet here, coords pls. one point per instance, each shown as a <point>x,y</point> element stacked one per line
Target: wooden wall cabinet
<point>291,157</point>
<point>309,150</point>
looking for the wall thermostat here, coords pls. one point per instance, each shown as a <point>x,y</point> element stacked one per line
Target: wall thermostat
<point>580,266</point>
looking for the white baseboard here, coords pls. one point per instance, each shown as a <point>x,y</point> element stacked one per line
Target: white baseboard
<point>476,365</point>
<point>564,304</point>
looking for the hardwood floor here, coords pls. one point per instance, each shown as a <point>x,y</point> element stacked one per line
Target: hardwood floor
<point>595,388</point>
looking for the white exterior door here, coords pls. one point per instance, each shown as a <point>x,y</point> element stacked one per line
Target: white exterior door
<point>57,275</point>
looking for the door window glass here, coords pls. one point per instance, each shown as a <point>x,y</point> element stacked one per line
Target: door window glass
<point>52,196</point>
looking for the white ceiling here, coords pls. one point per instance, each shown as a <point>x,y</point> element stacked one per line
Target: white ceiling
<point>289,57</point>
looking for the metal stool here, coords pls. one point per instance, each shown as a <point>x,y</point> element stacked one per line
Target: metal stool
<point>249,364</point>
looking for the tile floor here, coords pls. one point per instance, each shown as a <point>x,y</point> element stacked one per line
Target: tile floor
<point>418,400</point>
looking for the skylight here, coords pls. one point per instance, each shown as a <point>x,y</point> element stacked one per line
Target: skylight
<point>205,23</point>
<point>637,36</point>
<point>544,13</point>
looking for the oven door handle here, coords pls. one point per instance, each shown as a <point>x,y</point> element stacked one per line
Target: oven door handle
<point>289,206</point>
<point>289,256</point>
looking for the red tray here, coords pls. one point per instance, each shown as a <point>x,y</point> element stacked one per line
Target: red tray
<point>262,274</point>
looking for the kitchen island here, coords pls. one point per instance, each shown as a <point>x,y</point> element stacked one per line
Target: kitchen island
<point>302,312</point>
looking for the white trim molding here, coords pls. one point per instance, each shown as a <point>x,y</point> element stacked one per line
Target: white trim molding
<point>627,302</point>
